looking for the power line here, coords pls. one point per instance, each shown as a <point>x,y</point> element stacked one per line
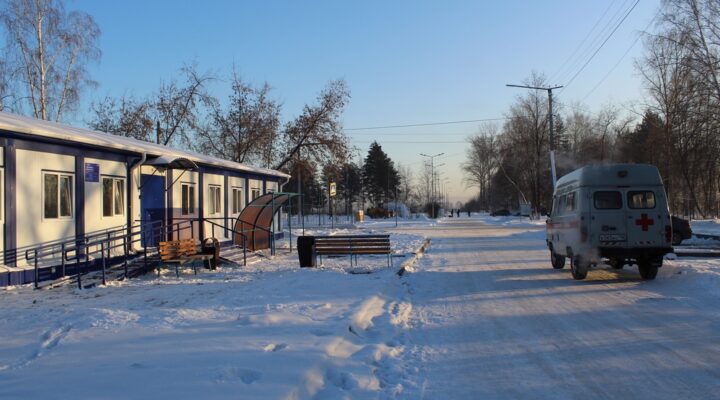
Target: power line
<point>426,124</point>
<point>618,62</point>
<point>603,44</point>
<point>582,42</point>
<point>597,39</point>
<point>412,142</point>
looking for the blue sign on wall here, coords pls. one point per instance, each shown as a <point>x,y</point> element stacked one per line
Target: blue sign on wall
<point>92,172</point>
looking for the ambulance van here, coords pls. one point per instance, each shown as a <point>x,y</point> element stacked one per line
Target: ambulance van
<point>615,213</point>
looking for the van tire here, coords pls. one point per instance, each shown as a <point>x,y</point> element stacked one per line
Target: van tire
<point>579,268</point>
<point>648,269</point>
<point>616,263</point>
<point>557,260</point>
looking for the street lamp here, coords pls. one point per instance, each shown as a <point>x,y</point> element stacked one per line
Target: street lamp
<point>432,183</point>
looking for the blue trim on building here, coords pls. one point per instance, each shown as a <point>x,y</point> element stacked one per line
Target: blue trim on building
<point>201,203</point>
<point>10,234</point>
<point>226,185</point>
<point>247,191</point>
<point>79,196</point>
<point>169,204</point>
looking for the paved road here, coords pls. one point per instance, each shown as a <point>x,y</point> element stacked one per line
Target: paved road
<point>492,319</point>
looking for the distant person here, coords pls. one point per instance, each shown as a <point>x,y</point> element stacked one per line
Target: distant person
<point>458,213</point>
<point>468,213</point>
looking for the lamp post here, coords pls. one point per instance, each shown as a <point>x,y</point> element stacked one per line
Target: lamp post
<point>550,117</point>
<point>432,181</point>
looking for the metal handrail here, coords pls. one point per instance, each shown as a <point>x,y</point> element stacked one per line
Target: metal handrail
<point>242,234</point>
<point>102,242</point>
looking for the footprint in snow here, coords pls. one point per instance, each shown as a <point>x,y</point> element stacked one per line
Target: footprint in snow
<point>274,347</point>
<point>247,376</point>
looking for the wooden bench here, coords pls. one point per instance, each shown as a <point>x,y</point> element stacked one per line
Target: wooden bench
<point>353,246</point>
<point>178,253</point>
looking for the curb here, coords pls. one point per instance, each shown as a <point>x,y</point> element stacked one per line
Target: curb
<point>419,253</point>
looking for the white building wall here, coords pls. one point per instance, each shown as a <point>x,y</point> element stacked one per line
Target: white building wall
<point>32,228</point>
<point>188,177</point>
<point>2,202</point>
<point>213,180</point>
<point>235,182</point>
<point>94,219</point>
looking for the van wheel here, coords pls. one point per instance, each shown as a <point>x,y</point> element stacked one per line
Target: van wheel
<point>648,269</point>
<point>557,260</point>
<point>616,263</point>
<point>579,268</point>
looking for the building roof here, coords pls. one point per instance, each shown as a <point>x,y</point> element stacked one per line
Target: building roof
<point>47,129</point>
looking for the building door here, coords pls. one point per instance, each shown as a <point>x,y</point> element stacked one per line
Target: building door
<point>152,207</point>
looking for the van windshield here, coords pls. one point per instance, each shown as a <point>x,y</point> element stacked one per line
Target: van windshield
<point>607,200</point>
<point>641,199</point>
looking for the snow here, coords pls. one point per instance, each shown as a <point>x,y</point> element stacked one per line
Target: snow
<point>706,227</point>
<point>67,133</point>
<point>480,315</point>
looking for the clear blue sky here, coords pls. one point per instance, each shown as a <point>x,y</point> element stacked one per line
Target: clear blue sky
<point>405,61</point>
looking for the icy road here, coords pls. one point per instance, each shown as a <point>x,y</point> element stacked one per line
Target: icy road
<point>492,319</point>
<point>481,315</point>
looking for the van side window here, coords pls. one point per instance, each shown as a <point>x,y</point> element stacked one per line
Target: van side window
<point>561,205</point>
<point>607,200</point>
<point>641,199</point>
<point>570,202</point>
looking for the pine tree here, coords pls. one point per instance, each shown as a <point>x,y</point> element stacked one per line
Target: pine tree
<point>379,175</point>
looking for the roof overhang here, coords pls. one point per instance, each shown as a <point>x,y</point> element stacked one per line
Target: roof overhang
<point>172,162</point>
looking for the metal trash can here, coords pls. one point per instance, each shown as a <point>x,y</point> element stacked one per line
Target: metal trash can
<point>211,246</point>
<point>306,251</point>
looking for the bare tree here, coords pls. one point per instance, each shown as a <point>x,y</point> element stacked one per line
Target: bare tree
<point>317,131</point>
<point>176,107</point>
<point>481,162</point>
<point>246,131</point>
<point>50,49</point>
<point>124,116</point>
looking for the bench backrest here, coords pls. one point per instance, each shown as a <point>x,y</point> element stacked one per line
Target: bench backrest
<point>177,248</point>
<point>379,244</point>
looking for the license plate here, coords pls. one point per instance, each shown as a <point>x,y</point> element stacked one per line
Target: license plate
<point>612,237</point>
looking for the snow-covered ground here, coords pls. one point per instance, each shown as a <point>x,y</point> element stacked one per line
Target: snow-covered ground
<point>481,315</point>
<point>706,226</point>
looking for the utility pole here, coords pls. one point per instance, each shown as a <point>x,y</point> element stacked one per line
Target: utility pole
<point>552,128</point>
<point>432,181</point>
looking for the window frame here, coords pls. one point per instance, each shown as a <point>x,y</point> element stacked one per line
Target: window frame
<point>214,199</point>
<point>631,192</point>
<point>189,188</point>
<point>252,193</point>
<point>620,196</point>
<point>237,199</point>
<point>113,207</point>
<point>60,175</point>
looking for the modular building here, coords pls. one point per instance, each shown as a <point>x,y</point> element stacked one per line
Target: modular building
<point>59,182</point>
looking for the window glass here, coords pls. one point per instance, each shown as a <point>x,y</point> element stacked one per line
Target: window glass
<point>119,197</point>
<point>607,200</point>
<point>641,199</point>
<point>107,197</point>
<point>191,199</point>
<point>214,201</point>
<point>185,201</point>
<point>236,200</point>
<point>50,192</point>
<point>66,196</point>
<point>254,193</point>
<point>570,202</point>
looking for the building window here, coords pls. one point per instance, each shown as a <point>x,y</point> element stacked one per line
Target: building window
<point>57,195</point>
<point>214,200</point>
<point>237,200</point>
<point>113,197</point>
<point>188,198</point>
<point>254,193</point>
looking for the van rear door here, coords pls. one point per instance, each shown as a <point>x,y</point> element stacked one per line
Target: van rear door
<point>645,226</point>
<point>608,218</point>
